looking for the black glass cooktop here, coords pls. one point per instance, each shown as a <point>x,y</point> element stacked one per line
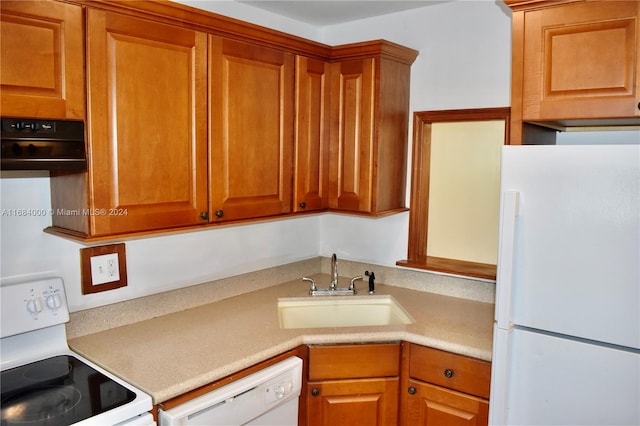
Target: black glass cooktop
<point>57,391</point>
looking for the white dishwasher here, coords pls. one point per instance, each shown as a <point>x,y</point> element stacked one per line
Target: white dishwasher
<point>266,397</point>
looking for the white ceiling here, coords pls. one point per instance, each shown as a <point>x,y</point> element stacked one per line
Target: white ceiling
<point>330,12</point>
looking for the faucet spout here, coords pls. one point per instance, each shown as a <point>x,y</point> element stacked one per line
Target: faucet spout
<point>334,272</point>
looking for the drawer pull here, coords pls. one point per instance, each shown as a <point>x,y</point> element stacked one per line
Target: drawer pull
<point>411,390</point>
<point>448,373</point>
<point>315,392</point>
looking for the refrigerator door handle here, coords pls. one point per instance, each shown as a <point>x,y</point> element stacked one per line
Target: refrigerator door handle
<point>504,277</point>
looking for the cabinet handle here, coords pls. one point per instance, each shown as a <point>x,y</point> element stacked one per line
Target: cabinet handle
<point>315,392</point>
<point>411,390</point>
<point>448,373</point>
<point>204,215</point>
<point>303,205</point>
<point>219,214</point>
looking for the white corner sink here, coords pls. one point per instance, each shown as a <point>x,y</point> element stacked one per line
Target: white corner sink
<point>341,311</point>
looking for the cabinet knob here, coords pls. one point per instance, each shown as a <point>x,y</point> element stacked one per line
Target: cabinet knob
<point>219,214</point>
<point>315,392</point>
<point>204,215</point>
<point>303,205</point>
<point>411,390</point>
<point>448,373</point>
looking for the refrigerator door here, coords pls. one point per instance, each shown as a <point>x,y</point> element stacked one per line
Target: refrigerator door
<point>576,241</point>
<point>558,381</point>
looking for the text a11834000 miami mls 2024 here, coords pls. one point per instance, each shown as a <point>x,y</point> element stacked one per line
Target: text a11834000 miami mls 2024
<point>64,212</point>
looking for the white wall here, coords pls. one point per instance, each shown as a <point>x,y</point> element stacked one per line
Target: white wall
<point>154,264</point>
<point>233,9</point>
<point>465,51</point>
<point>464,62</point>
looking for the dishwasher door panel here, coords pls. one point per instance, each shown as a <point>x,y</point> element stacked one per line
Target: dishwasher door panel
<point>267,397</point>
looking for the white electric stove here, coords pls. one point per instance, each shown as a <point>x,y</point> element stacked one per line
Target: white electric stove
<point>44,382</point>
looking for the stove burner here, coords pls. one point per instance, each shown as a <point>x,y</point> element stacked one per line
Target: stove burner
<point>57,391</point>
<point>52,403</point>
<point>54,369</point>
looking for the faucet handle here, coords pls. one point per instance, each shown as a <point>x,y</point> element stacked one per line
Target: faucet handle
<point>372,284</point>
<point>352,283</point>
<point>313,284</point>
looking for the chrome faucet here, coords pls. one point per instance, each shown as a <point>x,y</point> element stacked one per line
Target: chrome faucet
<point>333,289</point>
<point>334,272</point>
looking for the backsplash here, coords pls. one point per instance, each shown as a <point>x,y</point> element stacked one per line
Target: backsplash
<point>131,311</point>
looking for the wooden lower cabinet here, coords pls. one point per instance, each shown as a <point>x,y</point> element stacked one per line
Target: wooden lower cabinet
<point>394,384</point>
<point>428,404</point>
<point>353,385</point>
<point>444,389</point>
<point>366,402</point>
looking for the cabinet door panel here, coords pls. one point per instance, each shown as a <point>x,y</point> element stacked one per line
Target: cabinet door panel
<point>581,61</point>
<point>435,406</point>
<point>365,402</point>
<point>251,92</point>
<point>311,173</point>
<point>42,60</point>
<point>351,179</point>
<point>147,122</point>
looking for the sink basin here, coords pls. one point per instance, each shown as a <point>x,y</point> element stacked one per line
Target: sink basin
<point>341,311</point>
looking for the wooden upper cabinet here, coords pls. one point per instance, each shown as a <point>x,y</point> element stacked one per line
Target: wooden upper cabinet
<point>576,61</point>
<point>42,60</point>
<point>195,119</point>
<point>369,125</point>
<point>311,160</point>
<point>147,124</point>
<point>251,130</point>
<point>353,85</point>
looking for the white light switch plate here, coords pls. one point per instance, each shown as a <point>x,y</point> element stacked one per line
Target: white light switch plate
<point>105,269</point>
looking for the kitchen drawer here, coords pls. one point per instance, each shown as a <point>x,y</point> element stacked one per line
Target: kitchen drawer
<point>354,361</point>
<point>452,371</point>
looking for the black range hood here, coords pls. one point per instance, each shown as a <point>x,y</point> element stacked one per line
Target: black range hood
<point>36,144</point>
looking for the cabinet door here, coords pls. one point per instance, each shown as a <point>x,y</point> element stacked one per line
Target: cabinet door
<point>431,405</point>
<point>363,402</point>
<point>311,169</point>
<point>147,124</point>
<point>581,61</point>
<point>352,134</point>
<point>251,130</point>
<point>42,60</point>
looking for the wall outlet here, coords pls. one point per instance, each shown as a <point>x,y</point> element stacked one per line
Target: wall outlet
<point>105,269</point>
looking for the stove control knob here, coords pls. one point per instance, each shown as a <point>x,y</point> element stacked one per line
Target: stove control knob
<point>53,302</point>
<point>34,306</point>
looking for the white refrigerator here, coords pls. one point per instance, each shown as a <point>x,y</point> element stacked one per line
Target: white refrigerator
<point>566,347</point>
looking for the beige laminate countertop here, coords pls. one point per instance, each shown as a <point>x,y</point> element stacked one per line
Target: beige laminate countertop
<point>172,354</point>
